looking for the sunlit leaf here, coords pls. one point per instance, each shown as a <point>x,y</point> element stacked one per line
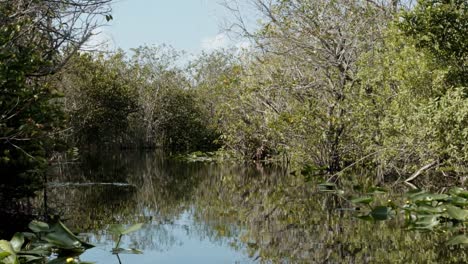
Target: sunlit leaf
<point>457,213</point>
<point>17,241</point>
<point>426,222</point>
<point>132,228</point>
<point>459,192</point>
<point>4,254</point>
<point>458,201</point>
<point>63,238</point>
<point>426,209</point>
<point>5,246</point>
<point>458,240</point>
<point>38,226</point>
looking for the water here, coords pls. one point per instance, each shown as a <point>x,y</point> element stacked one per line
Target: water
<point>207,213</point>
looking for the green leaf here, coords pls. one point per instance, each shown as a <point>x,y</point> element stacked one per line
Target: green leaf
<point>458,201</point>
<point>426,222</point>
<point>459,192</point>
<point>426,209</point>
<point>381,213</point>
<point>121,230</point>
<point>362,200</point>
<point>457,213</point>
<point>457,240</point>
<point>116,229</point>
<point>38,226</point>
<point>5,246</point>
<point>133,228</point>
<point>4,254</point>
<point>17,242</point>
<point>424,197</point>
<point>63,238</point>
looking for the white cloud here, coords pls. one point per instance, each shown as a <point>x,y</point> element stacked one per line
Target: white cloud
<point>217,42</point>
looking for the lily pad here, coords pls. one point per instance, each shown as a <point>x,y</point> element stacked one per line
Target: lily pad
<point>457,213</point>
<point>381,213</point>
<point>63,238</point>
<point>459,192</point>
<point>458,240</point>
<point>426,222</point>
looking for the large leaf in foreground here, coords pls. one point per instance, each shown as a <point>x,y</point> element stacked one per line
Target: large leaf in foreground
<point>63,238</point>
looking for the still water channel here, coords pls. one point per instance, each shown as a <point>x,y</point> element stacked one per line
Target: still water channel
<point>208,213</point>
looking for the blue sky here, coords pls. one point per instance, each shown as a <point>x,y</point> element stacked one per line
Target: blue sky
<point>190,25</point>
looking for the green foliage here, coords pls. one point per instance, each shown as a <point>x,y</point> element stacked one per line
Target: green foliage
<point>441,27</point>
<point>180,123</point>
<point>414,89</point>
<point>120,231</point>
<point>30,115</point>
<point>100,98</point>
<point>138,101</point>
<point>37,247</point>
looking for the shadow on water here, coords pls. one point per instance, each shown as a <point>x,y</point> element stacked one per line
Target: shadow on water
<point>208,213</point>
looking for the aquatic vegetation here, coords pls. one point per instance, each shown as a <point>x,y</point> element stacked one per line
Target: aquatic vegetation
<point>44,241</point>
<point>120,231</point>
<point>425,211</point>
<point>54,244</point>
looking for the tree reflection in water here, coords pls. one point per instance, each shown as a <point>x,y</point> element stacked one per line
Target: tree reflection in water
<point>270,216</point>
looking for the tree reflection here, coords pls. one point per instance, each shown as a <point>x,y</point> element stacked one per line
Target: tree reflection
<point>270,216</point>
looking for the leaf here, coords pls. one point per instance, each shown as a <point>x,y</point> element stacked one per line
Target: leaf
<point>362,200</point>
<point>17,241</point>
<point>4,254</point>
<point>457,240</point>
<point>458,201</point>
<point>457,213</point>
<point>381,213</point>
<point>426,209</point>
<point>29,236</point>
<point>60,236</point>
<point>116,229</point>
<point>121,230</point>
<point>424,197</point>
<point>459,192</point>
<point>133,228</point>
<point>426,222</point>
<point>5,246</point>
<point>38,226</point>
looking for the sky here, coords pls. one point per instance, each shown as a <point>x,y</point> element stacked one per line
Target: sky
<point>189,25</point>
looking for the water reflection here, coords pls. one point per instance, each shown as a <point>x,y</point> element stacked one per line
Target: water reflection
<point>207,213</point>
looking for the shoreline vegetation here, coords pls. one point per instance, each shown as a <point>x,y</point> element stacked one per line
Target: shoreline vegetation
<point>326,89</point>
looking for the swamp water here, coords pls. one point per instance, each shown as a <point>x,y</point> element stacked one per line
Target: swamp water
<point>208,213</point>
